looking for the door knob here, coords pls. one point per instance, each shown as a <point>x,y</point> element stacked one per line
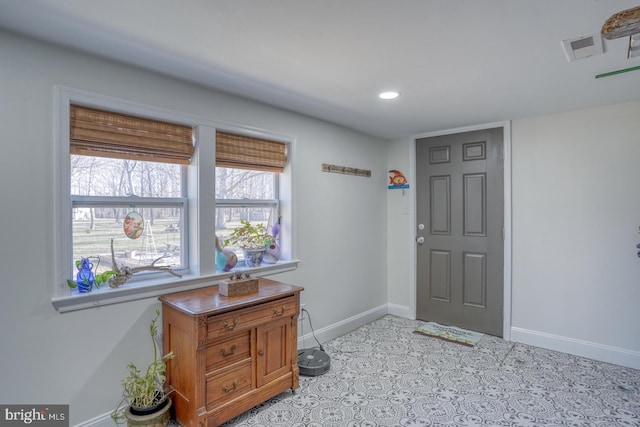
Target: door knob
<point>420,240</point>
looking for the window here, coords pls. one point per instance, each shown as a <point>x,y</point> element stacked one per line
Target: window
<point>247,195</point>
<point>126,192</point>
<point>182,178</point>
<point>137,206</point>
<point>247,179</point>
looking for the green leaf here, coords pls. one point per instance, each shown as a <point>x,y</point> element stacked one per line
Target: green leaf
<point>72,284</point>
<point>103,277</point>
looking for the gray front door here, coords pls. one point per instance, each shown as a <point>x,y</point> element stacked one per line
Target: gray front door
<point>460,211</point>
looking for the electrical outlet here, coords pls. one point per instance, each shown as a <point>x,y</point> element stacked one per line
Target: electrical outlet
<point>302,313</point>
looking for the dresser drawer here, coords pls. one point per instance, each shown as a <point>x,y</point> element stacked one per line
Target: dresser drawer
<point>227,386</point>
<point>229,323</point>
<point>227,351</point>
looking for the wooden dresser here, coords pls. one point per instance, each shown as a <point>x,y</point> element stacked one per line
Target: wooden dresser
<point>231,353</point>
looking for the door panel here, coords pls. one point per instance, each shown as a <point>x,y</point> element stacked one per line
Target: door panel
<point>459,187</point>
<point>474,206</point>
<point>440,279</point>
<point>440,205</point>
<point>474,279</point>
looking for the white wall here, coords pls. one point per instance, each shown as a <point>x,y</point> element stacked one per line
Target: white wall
<point>576,212</point>
<point>401,232</point>
<point>79,357</point>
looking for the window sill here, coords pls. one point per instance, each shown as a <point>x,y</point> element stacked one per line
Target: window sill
<point>107,296</point>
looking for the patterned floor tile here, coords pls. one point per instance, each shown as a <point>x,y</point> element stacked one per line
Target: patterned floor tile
<point>383,374</point>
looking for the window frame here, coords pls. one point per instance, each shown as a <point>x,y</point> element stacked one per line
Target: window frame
<point>200,205</point>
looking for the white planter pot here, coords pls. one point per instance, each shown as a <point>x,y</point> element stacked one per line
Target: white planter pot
<point>253,257</point>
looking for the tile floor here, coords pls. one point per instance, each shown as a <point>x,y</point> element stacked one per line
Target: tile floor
<point>383,374</point>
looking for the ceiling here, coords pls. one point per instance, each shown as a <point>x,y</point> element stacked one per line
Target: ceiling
<point>456,62</point>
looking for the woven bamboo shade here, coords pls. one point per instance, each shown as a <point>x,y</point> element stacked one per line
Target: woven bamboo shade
<point>108,134</point>
<point>245,152</point>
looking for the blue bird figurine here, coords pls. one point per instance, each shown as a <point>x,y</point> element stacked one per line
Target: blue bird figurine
<point>226,259</point>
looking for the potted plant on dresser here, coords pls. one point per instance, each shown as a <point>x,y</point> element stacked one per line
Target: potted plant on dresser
<point>144,401</point>
<point>252,239</point>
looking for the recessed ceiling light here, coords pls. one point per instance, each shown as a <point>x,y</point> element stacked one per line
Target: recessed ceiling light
<point>392,94</point>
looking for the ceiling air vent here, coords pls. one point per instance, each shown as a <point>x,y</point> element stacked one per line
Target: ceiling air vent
<point>582,47</point>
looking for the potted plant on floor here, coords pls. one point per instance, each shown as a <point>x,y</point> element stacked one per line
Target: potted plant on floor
<point>252,239</point>
<point>143,396</point>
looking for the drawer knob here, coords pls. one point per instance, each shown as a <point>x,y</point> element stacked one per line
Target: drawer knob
<point>279,312</point>
<point>224,353</point>
<point>261,353</point>
<point>228,326</point>
<point>228,389</point>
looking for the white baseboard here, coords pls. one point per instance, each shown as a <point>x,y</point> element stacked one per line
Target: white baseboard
<point>591,350</point>
<point>400,311</point>
<point>333,331</point>
<point>103,420</point>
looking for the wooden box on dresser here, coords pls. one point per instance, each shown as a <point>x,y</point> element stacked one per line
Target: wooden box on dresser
<point>231,353</point>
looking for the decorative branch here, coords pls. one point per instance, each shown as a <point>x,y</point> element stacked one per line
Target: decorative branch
<point>123,273</point>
